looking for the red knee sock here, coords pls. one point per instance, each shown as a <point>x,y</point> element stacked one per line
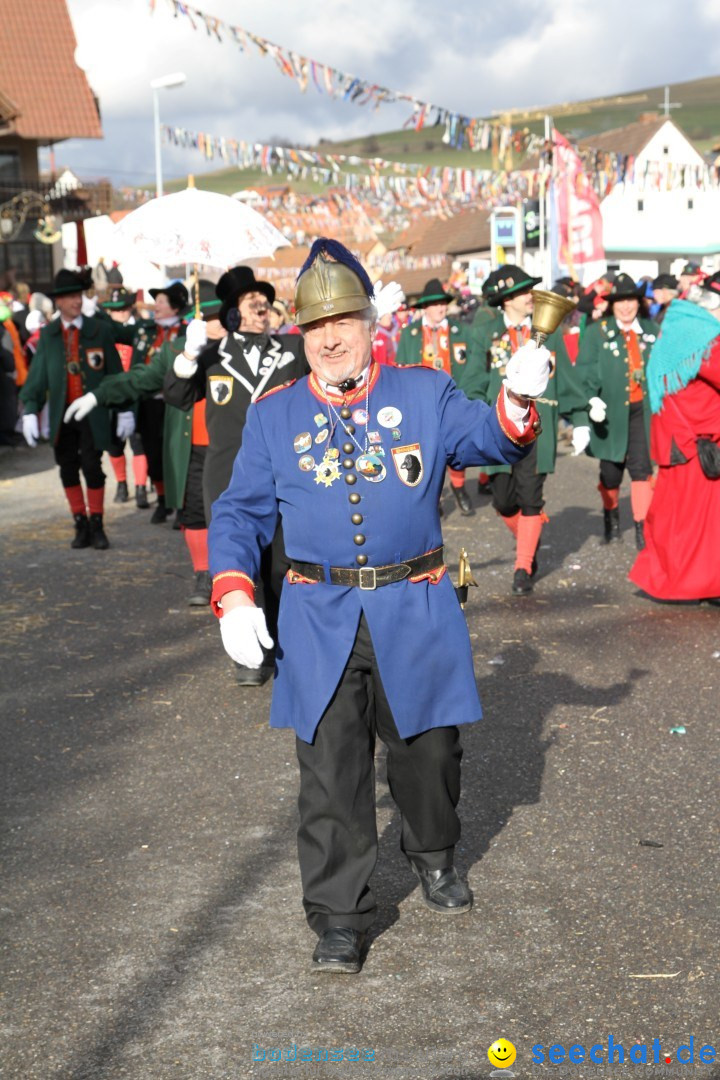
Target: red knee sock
<point>197,543</point>
<point>119,467</point>
<point>140,470</point>
<point>528,538</point>
<point>511,522</point>
<point>75,497</point>
<point>96,498</point>
<point>457,477</point>
<point>610,497</point>
<point>483,478</point>
<point>641,494</point>
<point>159,488</point>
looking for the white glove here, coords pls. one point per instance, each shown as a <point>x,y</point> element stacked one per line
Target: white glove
<point>598,410</point>
<point>580,440</point>
<point>80,408</point>
<point>195,338</point>
<point>184,368</point>
<point>125,425</point>
<point>388,298</point>
<point>244,631</point>
<point>528,370</point>
<point>31,431</point>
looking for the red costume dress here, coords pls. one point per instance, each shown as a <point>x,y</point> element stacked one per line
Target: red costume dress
<point>681,560</point>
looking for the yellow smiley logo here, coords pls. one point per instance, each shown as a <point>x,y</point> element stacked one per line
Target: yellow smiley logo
<point>501,1054</point>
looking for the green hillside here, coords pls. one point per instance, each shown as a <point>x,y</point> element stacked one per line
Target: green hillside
<point>699,118</point>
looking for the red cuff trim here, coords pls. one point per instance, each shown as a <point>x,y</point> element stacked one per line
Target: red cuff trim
<point>230,581</point>
<point>509,429</point>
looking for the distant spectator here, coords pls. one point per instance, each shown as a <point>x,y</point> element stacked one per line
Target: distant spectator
<point>665,290</point>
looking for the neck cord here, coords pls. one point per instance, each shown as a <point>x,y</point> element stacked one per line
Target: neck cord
<point>335,417</point>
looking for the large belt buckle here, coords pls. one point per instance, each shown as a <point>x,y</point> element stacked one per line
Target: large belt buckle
<point>373,578</point>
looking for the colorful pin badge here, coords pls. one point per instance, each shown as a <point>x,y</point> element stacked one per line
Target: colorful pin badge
<point>302,442</point>
<point>307,463</point>
<point>397,435</point>
<point>360,416</point>
<point>389,417</point>
<point>374,436</point>
<point>370,467</point>
<point>320,419</point>
<point>322,436</point>
<point>326,473</point>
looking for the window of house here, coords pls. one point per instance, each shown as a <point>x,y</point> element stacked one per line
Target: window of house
<point>691,204</point>
<point>641,204</point>
<point>9,165</point>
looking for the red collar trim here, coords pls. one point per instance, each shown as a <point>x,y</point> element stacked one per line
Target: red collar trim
<point>348,399</point>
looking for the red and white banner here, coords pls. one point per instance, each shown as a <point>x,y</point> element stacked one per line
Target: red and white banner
<point>577,224</point>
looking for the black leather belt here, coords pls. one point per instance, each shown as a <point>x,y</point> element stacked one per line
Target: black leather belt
<point>368,578</point>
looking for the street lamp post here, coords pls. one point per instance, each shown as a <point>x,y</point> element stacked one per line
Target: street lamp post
<point>165,82</point>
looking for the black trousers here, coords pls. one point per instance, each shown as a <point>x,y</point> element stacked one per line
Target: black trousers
<point>150,423</point>
<point>193,509</point>
<point>637,461</point>
<point>521,489</point>
<point>337,837</point>
<point>117,448</point>
<point>75,451</point>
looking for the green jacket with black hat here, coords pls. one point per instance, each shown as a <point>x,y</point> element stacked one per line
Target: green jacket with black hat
<point>47,379</point>
<point>491,346</point>
<point>146,380</point>
<point>410,346</point>
<point>604,367</point>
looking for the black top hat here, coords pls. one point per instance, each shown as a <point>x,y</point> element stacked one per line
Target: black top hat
<point>665,281</point>
<point>236,283</point>
<point>120,299</point>
<point>176,293</point>
<point>433,293</point>
<point>625,288</point>
<point>68,282</point>
<point>507,281</point>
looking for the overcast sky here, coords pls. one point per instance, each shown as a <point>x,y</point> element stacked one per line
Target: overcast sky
<point>473,56</point>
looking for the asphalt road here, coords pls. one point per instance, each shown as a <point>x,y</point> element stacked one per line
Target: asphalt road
<point>151,911</point>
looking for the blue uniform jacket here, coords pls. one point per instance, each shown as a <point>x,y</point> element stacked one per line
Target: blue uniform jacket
<point>292,462</point>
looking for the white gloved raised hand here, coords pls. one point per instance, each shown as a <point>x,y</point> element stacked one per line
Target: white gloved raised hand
<point>388,298</point>
<point>183,367</point>
<point>195,338</point>
<point>580,440</point>
<point>598,410</point>
<point>31,431</point>
<point>244,631</point>
<point>125,425</point>
<point>528,370</point>
<point>80,408</point>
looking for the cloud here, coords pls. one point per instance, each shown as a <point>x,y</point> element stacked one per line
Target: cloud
<point>473,57</point>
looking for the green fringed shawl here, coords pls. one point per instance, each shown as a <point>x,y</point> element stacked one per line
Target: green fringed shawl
<point>685,338</point>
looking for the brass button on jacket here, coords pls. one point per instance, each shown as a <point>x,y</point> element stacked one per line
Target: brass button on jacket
<point>361,560</point>
<point>354,498</point>
<point>359,539</point>
<point>350,478</point>
<point>357,519</point>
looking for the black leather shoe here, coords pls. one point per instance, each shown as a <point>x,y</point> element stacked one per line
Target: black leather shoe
<point>177,523</point>
<point>611,526</point>
<point>98,538</point>
<point>463,500</point>
<point>141,499</point>
<point>484,488</point>
<point>522,583</point>
<point>121,492</point>
<point>160,513</point>
<point>640,535</point>
<point>82,532</point>
<point>246,676</point>
<point>443,891</point>
<point>339,949</point>
<point>202,591</point>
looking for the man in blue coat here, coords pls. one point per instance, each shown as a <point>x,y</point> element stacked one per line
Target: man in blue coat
<point>371,639</point>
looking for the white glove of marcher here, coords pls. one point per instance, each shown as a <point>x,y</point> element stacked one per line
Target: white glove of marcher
<point>80,408</point>
<point>580,440</point>
<point>598,410</point>
<point>244,631</point>
<point>195,338</point>
<point>184,368</point>
<point>388,298</point>
<point>31,431</point>
<point>528,370</point>
<point>125,425</point>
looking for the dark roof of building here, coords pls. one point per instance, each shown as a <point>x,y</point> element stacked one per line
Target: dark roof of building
<point>39,75</point>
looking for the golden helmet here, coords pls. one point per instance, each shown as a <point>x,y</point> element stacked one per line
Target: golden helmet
<point>332,282</point>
